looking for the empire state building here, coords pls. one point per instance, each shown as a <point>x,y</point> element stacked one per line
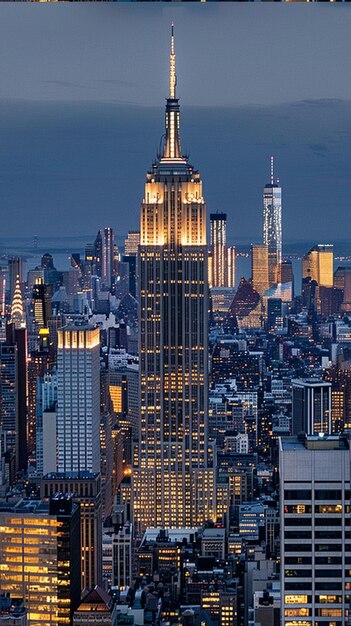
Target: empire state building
<point>173,481</point>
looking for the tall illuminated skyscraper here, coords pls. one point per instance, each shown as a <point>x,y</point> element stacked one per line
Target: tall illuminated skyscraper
<point>218,242</point>
<point>272,226</point>
<point>173,483</point>
<point>78,399</point>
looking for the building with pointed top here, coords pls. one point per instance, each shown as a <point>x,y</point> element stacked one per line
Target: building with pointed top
<point>18,316</point>
<point>272,226</point>
<point>173,483</point>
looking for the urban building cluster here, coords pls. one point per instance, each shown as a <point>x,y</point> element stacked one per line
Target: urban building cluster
<point>174,440</point>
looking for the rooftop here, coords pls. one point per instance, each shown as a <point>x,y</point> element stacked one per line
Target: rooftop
<point>322,441</point>
<point>83,475</point>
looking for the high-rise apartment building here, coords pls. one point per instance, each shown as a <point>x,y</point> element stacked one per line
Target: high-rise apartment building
<point>40,557</point>
<point>218,243</point>
<point>260,267</point>
<point>272,226</point>
<point>78,398</point>
<point>172,483</point>
<point>311,406</point>
<point>315,530</point>
<point>317,265</point>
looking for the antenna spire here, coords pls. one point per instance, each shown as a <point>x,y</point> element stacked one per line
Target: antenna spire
<point>272,170</point>
<point>172,68</point>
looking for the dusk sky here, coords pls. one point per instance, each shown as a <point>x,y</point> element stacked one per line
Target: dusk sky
<point>82,92</point>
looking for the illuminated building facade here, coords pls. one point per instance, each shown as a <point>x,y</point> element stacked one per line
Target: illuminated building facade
<point>78,398</point>
<point>173,484</point>
<point>260,267</point>
<point>41,303</point>
<point>218,242</point>
<point>16,335</point>
<point>131,243</point>
<point>40,557</point>
<point>315,530</point>
<point>317,265</point>
<point>231,250</point>
<point>272,226</point>
<point>85,488</point>
<point>108,242</point>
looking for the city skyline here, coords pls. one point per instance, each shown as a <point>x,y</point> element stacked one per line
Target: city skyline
<point>68,143</point>
<point>175,433</point>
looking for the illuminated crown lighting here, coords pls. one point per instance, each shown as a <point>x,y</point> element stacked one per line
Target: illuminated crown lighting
<point>18,317</point>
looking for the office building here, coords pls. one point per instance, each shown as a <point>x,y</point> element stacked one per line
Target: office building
<point>78,398</point>
<point>231,250</point>
<point>41,303</point>
<point>46,424</point>
<point>315,530</point>
<point>85,489</point>
<point>8,397</point>
<point>108,242</point>
<point>16,335</point>
<point>260,267</point>
<point>131,243</point>
<point>219,254</point>
<point>272,227</point>
<point>40,557</point>
<point>172,483</point>
<point>311,406</point>
<point>317,265</point>
<point>122,556</point>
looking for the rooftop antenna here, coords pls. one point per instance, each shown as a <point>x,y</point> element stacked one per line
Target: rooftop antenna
<point>172,68</point>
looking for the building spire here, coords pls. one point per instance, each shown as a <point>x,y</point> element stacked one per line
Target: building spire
<point>172,68</point>
<point>18,317</point>
<point>172,144</point>
<point>272,170</point>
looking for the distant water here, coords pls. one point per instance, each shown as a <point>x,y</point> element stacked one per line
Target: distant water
<point>61,249</point>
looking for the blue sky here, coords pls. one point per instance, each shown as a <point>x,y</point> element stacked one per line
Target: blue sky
<point>82,92</point>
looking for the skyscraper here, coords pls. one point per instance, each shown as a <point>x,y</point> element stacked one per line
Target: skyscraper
<point>272,226</point>
<point>18,317</point>
<point>16,335</point>
<point>317,265</point>
<point>78,398</point>
<point>231,266</point>
<point>173,484</point>
<point>260,267</point>
<point>16,268</point>
<point>315,534</point>
<point>218,243</point>
<point>44,567</point>
<point>311,406</point>
<point>108,239</point>
<point>131,243</point>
